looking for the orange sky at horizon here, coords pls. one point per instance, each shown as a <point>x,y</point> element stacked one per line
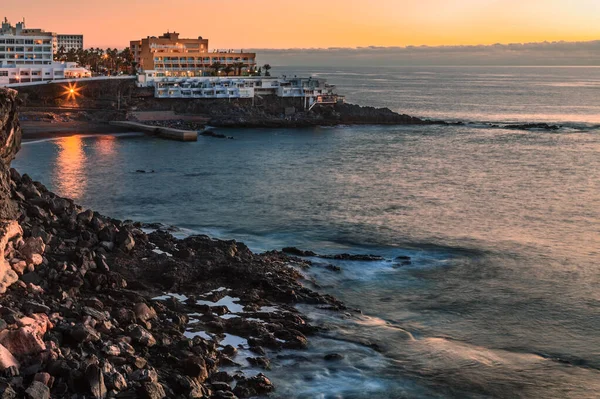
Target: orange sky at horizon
<point>311,23</point>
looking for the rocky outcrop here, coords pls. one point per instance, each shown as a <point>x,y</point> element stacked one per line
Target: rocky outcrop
<point>77,314</point>
<point>270,114</point>
<point>10,143</point>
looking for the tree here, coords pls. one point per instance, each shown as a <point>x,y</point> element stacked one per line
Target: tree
<point>216,68</point>
<point>71,55</point>
<point>228,69</point>
<point>61,54</point>
<point>237,66</point>
<point>267,68</point>
<point>111,59</point>
<point>126,57</point>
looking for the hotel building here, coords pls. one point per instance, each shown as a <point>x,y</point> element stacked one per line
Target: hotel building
<point>169,55</point>
<point>26,55</point>
<point>69,42</point>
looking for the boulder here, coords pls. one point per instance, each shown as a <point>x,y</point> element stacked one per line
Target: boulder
<point>95,379</point>
<point>195,367</point>
<point>44,378</point>
<point>144,312</point>
<point>142,336</point>
<point>23,341</point>
<point>125,240</point>
<point>37,390</point>
<point>7,359</point>
<point>144,375</point>
<point>151,390</point>
<point>31,247</point>
<point>84,333</point>
<point>8,231</point>
<point>85,217</point>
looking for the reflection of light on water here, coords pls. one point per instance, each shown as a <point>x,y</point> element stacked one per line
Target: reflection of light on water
<point>69,177</point>
<point>106,145</point>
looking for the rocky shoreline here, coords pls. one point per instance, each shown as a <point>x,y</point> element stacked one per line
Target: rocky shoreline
<point>84,311</point>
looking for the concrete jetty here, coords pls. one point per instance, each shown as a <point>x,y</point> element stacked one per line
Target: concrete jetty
<point>165,132</point>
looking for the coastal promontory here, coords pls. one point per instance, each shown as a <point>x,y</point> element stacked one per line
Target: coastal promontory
<point>96,307</point>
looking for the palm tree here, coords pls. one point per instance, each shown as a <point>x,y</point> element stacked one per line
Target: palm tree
<point>237,66</point>
<point>71,55</point>
<point>216,67</point>
<point>267,67</point>
<point>125,60</point>
<point>61,54</point>
<point>112,55</point>
<point>228,69</point>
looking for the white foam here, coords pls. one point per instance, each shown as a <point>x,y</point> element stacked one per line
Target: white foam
<point>158,251</point>
<point>225,301</point>
<point>201,334</point>
<point>268,309</point>
<point>166,296</point>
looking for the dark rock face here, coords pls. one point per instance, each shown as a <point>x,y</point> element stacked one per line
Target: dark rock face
<point>77,318</point>
<point>533,126</point>
<point>270,115</point>
<point>10,143</point>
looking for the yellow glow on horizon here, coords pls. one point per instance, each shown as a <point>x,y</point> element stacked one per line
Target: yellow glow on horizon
<point>313,23</point>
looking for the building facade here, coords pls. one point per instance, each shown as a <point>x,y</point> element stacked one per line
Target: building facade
<point>312,91</point>
<point>27,55</point>
<point>21,46</point>
<point>69,42</point>
<point>172,56</point>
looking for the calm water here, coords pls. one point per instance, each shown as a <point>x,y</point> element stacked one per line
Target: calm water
<point>502,298</point>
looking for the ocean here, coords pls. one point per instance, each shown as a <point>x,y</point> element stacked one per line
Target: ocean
<point>502,295</point>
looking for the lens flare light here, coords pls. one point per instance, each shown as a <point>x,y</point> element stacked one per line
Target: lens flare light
<point>72,91</point>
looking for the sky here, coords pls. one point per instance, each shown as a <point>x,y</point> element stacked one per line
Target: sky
<point>284,24</point>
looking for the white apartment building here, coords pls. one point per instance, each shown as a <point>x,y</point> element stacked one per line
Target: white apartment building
<point>69,42</point>
<point>313,91</point>
<point>26,55</point>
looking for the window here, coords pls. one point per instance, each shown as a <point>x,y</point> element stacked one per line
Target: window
<point>3,73</point>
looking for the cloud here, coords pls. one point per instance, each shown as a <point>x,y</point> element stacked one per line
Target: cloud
<point>545,53</point>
